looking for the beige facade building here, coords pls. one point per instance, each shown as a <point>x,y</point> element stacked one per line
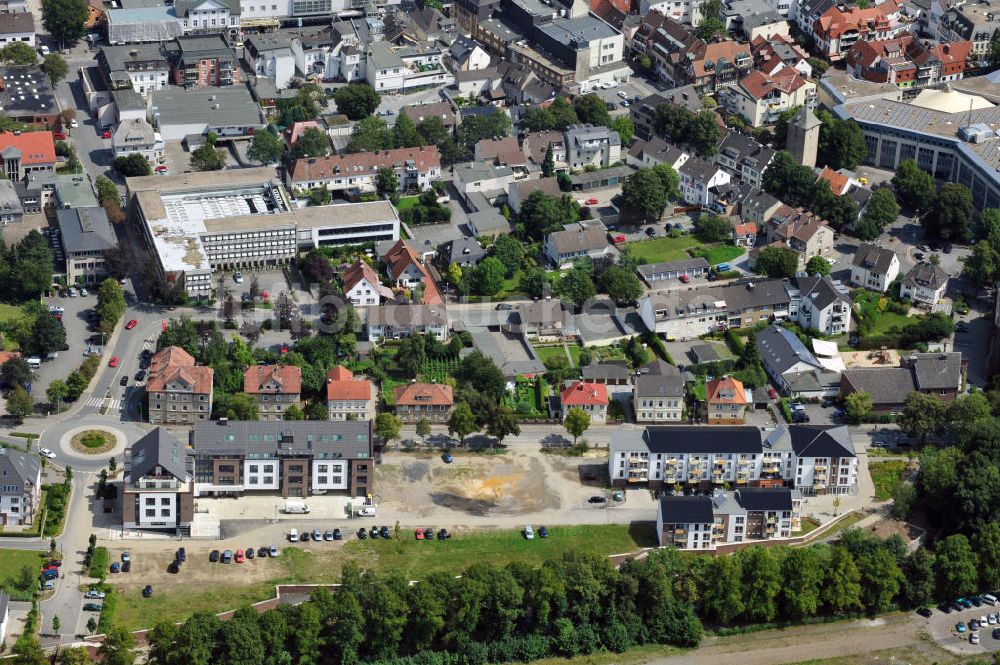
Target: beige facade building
<point>275,388</point>
<point>179,392</point>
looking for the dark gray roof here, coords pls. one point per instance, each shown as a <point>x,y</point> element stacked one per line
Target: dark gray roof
<point>14,23</point>
<point>820,290</point>
<point>464,250</point>
<point>756,202</point>
<point>926,275</point>
<point>699,169</point>
<point>780,349</point>
<point>872,257</point>
<point>686,439</point>
<point>128,100</point>
<point>611,369</point>
<point>687,510</point>
<point>26,90</point>
<point>765,499</point>
<point>705,353</point>
<point>821,441</point>
<point>659,385</point>
<point>886,385</point>
<point>85,230</point>
<point>425,315</point>
<point>936,371</point>
<point>158,448</point>
<point>649,269</point>
<point>263,439</point>
<point>738,295</point>
<point>744,149</point>
<point>18,467</point>
<point>660,368</point>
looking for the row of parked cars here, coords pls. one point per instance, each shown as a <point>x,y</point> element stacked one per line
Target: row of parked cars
<point>50,571</point>
<point>331,534</point>
<point>228,556</point>
<point>976,623</point>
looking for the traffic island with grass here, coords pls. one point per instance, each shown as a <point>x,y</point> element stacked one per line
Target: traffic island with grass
<point>94,442</point>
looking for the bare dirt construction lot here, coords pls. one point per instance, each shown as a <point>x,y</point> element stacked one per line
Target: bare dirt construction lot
<point>511,484</point>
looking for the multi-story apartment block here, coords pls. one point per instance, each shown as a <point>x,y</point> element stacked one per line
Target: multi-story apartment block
<point>140,67</point>
<point>85,235</point>
<point>874,267</point>
<point>179,393</point>
<point>349,397</point>
<point>697,179</point>
<point>838,28</point>
<point>208,16</point>
<point>204,60</point>
<point>726,401</point>
<point>686,522</point>
<point>587,145</point>
<point>925,284</point>
<point>824,305</point>
<point>274,388</point>
<point>744,158</point>
<point>812,459</point>
<point>272,56</point>
<point>658,395</point>
<point>22,153</point>
<point>908,62</point>
<point>746,515</point>
<point>760,98</point>
<point>414,401</point>
<point>398,321</point>
<point>20,487</point>
<point>158,487</point>
<point>356,174</point>
<point>293,458</point>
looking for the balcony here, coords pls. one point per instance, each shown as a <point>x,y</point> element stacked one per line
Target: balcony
<point>670,462</point>
<point>771,467</point>
<point>771,520</point>
<point>718,478</point>
<point>742,464</point>
<point>820,467</point>
<point>694,476</point>
<point>695,463</point>
<point>720,463</point>
<point>680,533</point>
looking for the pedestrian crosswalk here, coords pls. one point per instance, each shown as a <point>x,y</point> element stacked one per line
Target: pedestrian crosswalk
<point>109,403</point>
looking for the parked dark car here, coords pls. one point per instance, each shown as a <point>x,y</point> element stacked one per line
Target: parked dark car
<point>182,554</point>
<point>337,535</point>
<point>443,534</point>
<point>304,537</point>
<point>124,381</point>
<point>250,553</point>
<point>127,566</point>
<point>92,607</point>
<point>214,556</point>
<point>428,534</point>
<point>925,612</point>
<point>945,607</point>
<point>373,533</point>
<point>262,552</point>
<point>362,533</point>
<point>174,567</point>
<point>384,532</point>
<point>227,556</point>
<point>140,375</point>
<point>543,532</point>
<point>597,499</point>
<point>147,591</point>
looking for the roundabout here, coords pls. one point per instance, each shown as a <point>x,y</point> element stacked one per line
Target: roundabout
<point>94,441</point>
<point>66,441</point>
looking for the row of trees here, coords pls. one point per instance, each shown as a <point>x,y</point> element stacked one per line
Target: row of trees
<point>983,266</point>
<point>590,108</point>
<point>947,211</point>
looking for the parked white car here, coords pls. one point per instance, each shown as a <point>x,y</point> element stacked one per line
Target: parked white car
<point>529,533</point>
<point>45,452</point>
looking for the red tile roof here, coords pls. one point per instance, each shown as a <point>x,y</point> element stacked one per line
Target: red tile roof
<point>834,22</point>
<point>401,257</point>
<point>174,363</point>
<point>584,394</point>
<point>362,271</point>
<point>839,183</point>
<point>504,151</point>
<point>423,394</point>
<point>341,385</point>
<point>363,163</point>
<point>759,85</point>
<point>298,128</point>
<point>726,390</point>
<point>288,379</point>
<point>745,229</point>
<point>35,147</point>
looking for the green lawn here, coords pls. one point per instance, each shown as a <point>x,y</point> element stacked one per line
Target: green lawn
<point>723,254</point>
<point>882,321</point>
<point>886,476</point>
<point>805,526</point>
<point>663,249</point>
<point>11,564</point>
<point>700,390</point>
<point>414,559</point>
<point>407,202</point>
<point>546,352</point>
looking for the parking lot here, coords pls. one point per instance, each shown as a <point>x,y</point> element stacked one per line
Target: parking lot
<point>942,627</point>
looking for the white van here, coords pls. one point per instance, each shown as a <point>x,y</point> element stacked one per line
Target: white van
<point>989,598</point>
<point>293,536</point>
<point>296,508</point>
<point>34,362</point>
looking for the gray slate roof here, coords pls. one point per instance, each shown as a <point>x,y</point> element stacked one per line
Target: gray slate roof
<point>350,439</point>
<point>821,441</point>
<point>237,108</point>
<point>158,448</point>
<point>873,258</point>
<point>659,385</point>
<point>463,250</point>
<point>926,275</point>
<point>936,371</point>
<point>648,270</point>
<point>779,499</point>
<point>820,290</point>
<point>579,240</point>
<point>609,370</point>
<point>18,468</point>
<point>886,385</point>
<point>686,510</point>
<point>85,230</point>
<point>780,349</point>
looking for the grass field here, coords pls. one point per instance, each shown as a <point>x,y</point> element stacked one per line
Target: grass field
<point>886,476</point>
<point>663,249</point>
<point>723,254</point>
<point>414,559</point>
<point>407,202</point>
<point>882,321</point>
<point>12,561</point>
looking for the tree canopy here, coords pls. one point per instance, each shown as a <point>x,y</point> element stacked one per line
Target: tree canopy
<point>357,100</point>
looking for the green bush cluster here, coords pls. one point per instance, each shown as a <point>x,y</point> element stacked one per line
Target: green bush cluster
<point>79,379</point>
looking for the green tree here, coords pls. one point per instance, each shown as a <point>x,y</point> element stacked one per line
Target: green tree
<point>986,545</point>
<point>357,100</point>
<point>542,214</point>
<point>957,567</point>
<point>29,651</point>
<point>489,276</point>
<point>711,24</point>
<point>266,147</point>
<point>914,186</point>
<point>240,641</point>
<point>981,267</point>
<point>118,647</point>
<point>670,180</point>
<point>319,196</point>
<point>57,391</point>
<point>293,412</point>
<point>548,164</point>
<point>503,424</point>
<point>462,422</point>
<point>510,252</point>
<point>722,593</point>
<point>423,427</point>
<point>106,190</point>
<point>238,406</point>
<point>18,53</point>
<point>563,114</point>
<point>644,193</point>
<point>950,216</point>
<point>577,286</point>
<point>133,165</point>
<point>592,109</point>
<point>55,67</point>
<point>576,422</point>
<point>207,157</point>
<point>705,132</point>
<point>405,134</point>
<point>454,274</point>
<point>842,588</point>
<point>918,569</point>
<point>841,142</point>
<point>761,583</point>
<point>386,182</point>
<point>388,427</point>
<point>789,180</point>
<point>882,208</point>
<point>818,265</point>
<point>621,285</point>
<point>968,410</point>
<point>858,406</point>
<point>16,372</point>
<point>311,143</point>
<point>803,575</point>
<point>777,262</point>
<point>369,135</point>
<point>65,19</point>
<point>625,128</point>
<point>713,228</point>
<point>111,304</point>
<point>922,415</point>
<point>881,579</point>
<point>47,336</point>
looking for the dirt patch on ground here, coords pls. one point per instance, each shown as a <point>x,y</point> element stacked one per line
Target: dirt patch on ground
<point>885,528</point>
<point>196,573</point>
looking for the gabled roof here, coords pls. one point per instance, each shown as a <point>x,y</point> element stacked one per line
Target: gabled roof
<point>584,394</point>
<point>158,448</point>
<point>821,441</point>
<point>780,349</point>
<point>362,271</point>
<point>873,258</point>
<point>926,275</point>
<point>659,385</point>
<point>611,369</point>
<point>726,390</point>
<point>341,385</point>
<point>401,257</point>
<point>35,148</point>
<point>821,291</point>
<point>286,378</point>
<point>319,439</point>
<point>936,371</point>
<point>586,238</point>
<point>686,510</point>
<point>839,183</point>
<point>174,363</point>
<point>886,385</point>
<point>363,163</point>
<point>777,499</point>
<point>423,394</point>
<point>759,85</point>
<point>19,467</point>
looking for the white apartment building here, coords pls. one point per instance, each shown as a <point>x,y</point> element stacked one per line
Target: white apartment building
<point>137,136</point>
<point>587,145</point>
<point>20,486</point>
<point>874,268</point>
<point>823,305</point>
<point>697,178</point>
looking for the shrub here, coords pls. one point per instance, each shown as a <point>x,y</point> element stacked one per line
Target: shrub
<point>99,563</point>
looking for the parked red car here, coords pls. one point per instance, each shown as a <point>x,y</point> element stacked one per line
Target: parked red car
<point>620,238</point>
<point>591,202</point>
<point>772,393</point>
<point>113,362</point>
<point>131,324</point>
<point>59,136</point>
<point>106,134</point>
<point>162,168</point>
<point>685,279</point>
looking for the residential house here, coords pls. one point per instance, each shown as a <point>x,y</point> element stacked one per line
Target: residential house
<point>655,151</point>
<point>925,284</point>
<point>697,178</point>
<point>755,19</point>
<point>685,522</point>
<point>362,286</point>
<point>760,98</point>
<point>158,487</point>
<point>591,398</point>
<point>811,459</point>
<point>777,51</point>
<point>794,370</point>
<point>972,22</point>
<point>908,62</point>
<point>937,374</point>
<point>290,458</point>
<point>668,270</point>
<point>641,113</point>
<point>839,28</point>
<point>208,16</point>
<point>441,110</point>
<point>501,152</point>
<point>85,236</point>
<point>203,60</point>
<point>274,388</point>
<point>744,158</point>
<point>658,396</point>
<point>271,56</point>
<point>11,209</point>
<point>541,319</point>
<point>27,152</point>
<point>413,401</point>
<point>726,401</point>
<point>466,253</point>
<point>721,64</point>
<point>536,145</point>
<point>179,393</point>
<point>487,222</point>
<point>19,27</point>
<point>404,267</point>
<point>357,173</point>
<point>746,515</point>
<point>801,231</point>
<point>745,234</point>
<point>398,321</point>
<point>468,55</point>
<point>137,136</point>
<point>518,192</point>
<point>20,487</point>
<point>824,305</point>
<point>349,397</point>
<point>587,145</point>
<point>874,267</point>
<point>139,67</point>
<point>578,240</point>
